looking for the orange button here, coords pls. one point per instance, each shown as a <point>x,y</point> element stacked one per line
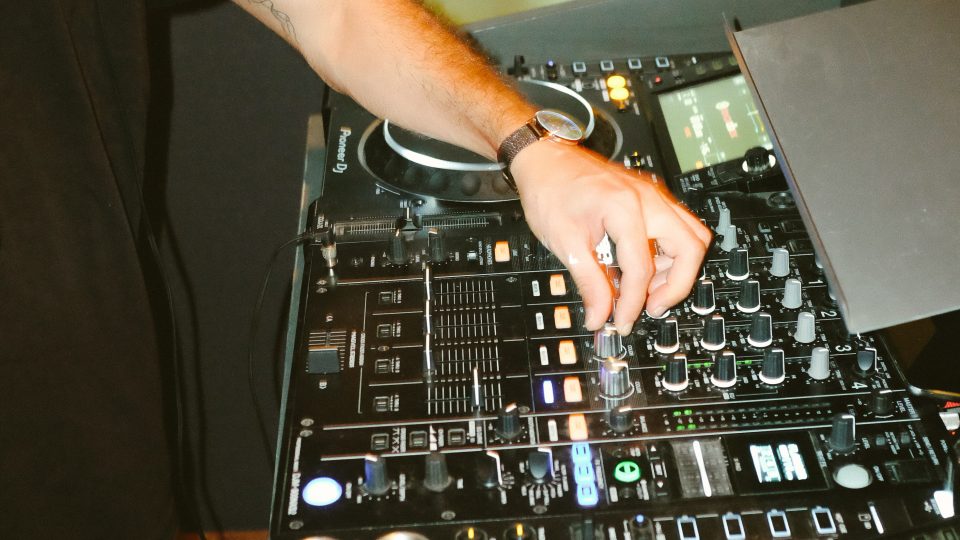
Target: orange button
<point>568,352</point>
<point>577,427</point>
<point>561,317</point>
<point>558,285</point>
<point>501,251</point>
<point>571,390</point>
<point>619,94</point>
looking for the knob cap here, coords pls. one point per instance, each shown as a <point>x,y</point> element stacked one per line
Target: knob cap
<point>724,370</point>
<point>508,422</point>
<point>761,330</point>
<point>607,342</point>
<point>620,418</point>
<point>729,242</point>
<point>757,160</point>
<point>866,362</point>
<point>675,373</point>
<point>843,433</point>
<point>792,295</point>
<point>724,222</point>
<point>437,245</point>
<point>540,465</point>
<point>780,263</point>
<point>749,299</point>
<point>806,328</point>
<point>881,402</point>
<point>819,363</point>
<point>398,248</point>
<point>615,379</point>
<point>773,369</point>
<point>488,470</point>
<point>436,477</point>
<point>714,333</point>
<point>375,479</point>
<point>704,301</point>
<point>668,336</point>
<point>738,264</point>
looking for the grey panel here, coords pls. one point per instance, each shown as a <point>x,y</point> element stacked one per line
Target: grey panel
<point>597,29</point>
<point>865,106</point>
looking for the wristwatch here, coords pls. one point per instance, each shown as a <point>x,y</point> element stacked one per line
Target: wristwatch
<point>546,124</point>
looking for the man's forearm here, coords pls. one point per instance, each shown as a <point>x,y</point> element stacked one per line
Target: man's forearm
<point>398,61</point>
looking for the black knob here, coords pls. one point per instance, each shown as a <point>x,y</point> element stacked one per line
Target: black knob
<point>881,402</point>
<point>551,70</point>
<point>508,422</point>
<point>724,370</point>
<point>436,477</point>
<point>675,373</point>
<point>668,336</point>
<point>620,418</point>
<point>488,470</point>
<point>540,465</point>
<point>866,362</point>
<point>843,433</point>
<point>518,70</point>
<point>738,264</point>
<point>761,330</point>
<point>714,333</point>
<point>704,301</point>
<point>749,299</point>
<point>757,160</point>
<point>519,531</point>
<point>641,528</point>
<point>375,479</point>
<point>773,371</point>
<point>438,251</point>
<point>398,248</point>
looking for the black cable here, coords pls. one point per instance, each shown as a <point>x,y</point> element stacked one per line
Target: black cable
<point>254,329</point>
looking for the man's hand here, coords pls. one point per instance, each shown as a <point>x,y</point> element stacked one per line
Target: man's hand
<point>571,197</point>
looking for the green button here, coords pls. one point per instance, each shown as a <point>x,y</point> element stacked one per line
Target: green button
<point>626,471</point>
<point>681,428</point>
<point>676,413</point>
<point>687,412</point>
<point>691,426</point>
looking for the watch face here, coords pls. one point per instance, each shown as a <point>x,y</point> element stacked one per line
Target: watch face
<point>559,125</point>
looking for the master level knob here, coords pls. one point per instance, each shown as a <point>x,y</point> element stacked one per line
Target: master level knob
<point>738,264</point>
<point>806,328</point>
<point>843,433</point>
<point>436,476</point>
<point>714,333</point>
<point>675,373</point>
<point>773,369</point>
<point>819,363</point>
<point>607,342</point>
<point>724,370</point>
<point>620,418</point>
<point>729,242</point>
<point>724,220</point>
<point>508,422</point>
<point>881,402</point>
<point>749,299</point>
<point>375,479</point>
<point>398,248</point>
<point>761,330</point>
<point>668,336</point>
<point>780,263</point>
<point>792,297</point>
<point>704,301</point>
<point>540,465</point>
<point>615,379</point>
<point>866,362</point>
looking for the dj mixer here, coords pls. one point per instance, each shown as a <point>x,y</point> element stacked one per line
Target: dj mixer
<point>443,385</point>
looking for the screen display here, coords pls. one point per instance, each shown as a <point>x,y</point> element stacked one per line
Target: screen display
<point>780,463</point>
<point>712,122</point>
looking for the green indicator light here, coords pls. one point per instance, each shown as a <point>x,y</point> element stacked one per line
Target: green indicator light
<point>688,412</point>
<point>627,472</point>
<point>677,413</point>
<point>681,428</point>
<point>691,426</point>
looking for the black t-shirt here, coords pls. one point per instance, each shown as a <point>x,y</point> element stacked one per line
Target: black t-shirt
<point>83,450</point>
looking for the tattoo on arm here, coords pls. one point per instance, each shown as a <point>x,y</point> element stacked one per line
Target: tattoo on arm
<point>285,23</point>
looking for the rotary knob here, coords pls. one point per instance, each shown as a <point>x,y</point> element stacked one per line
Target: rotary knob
<point>508,422</point>
<point>724,220</point>
<point>773,369</point>
<point>881,402</point>
<point>675,376</point>
<point>375,479</point>
<point>738,264</point>
<point>724,370</point>
<point>780,263</point>
<point>436,477</point>
<point>806,327</point>
<point>607,342</point>
<point>792,294</point>
<point>668,336</point>
<point>761,330</point>
<point>843,433</point>
<point>729,242</point>
<point>540,465</point>
<point>819,363</point>
<point>615,379</point>
<point>488,470</point>
<point>714,333</point>
<point>749,299</point>
<point>757,160</point>
<point>866,362</point>
<point>398,248</point>
<point>620,418</point>
<point>704,301</point>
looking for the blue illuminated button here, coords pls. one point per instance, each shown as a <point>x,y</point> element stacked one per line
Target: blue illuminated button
<point>322,491</point>
<point>583,473</point>
<point>580,452</point>
<point>587,495</point>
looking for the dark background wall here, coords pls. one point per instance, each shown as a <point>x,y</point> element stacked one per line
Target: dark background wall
<point>231,107</point>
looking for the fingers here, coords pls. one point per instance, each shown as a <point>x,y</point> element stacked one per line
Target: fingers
<point>594,287</point>
<point>626,228</point>
<point>687,253</point>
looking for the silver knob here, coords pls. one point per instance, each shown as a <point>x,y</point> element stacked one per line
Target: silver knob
<point>615,379</point>
<point>607,342</point>
<point>792,294</point>
<point>819,363</point>
<point>724,221</point>
<point>729,242</point>
<point>780,265</point>
<point>806,327</point>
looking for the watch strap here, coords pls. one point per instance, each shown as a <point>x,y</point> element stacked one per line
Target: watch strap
<point>511,146</point>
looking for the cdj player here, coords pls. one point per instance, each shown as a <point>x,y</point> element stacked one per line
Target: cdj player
<point>443,386</point>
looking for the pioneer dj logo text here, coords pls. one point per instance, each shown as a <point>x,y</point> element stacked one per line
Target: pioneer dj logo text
<point>341,164</point>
